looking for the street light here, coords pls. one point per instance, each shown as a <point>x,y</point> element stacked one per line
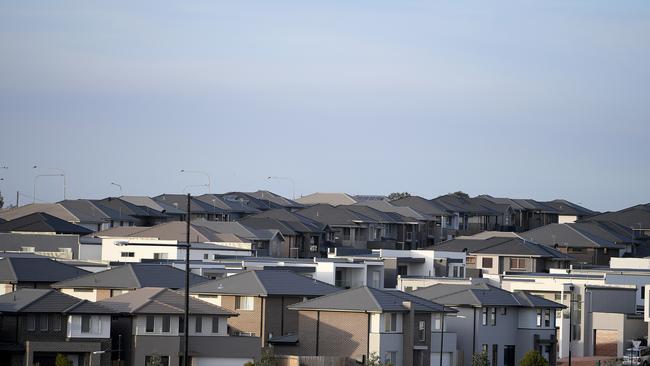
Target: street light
<point>201,172</point>
<point>293,184</point>
<point>118,350</point>
<point>118,186</point>
<point>61,174</point>
<point>186,245</point>
<point>192,186</point>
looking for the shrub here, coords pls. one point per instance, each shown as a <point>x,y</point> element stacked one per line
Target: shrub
<point>480,359</point>
<point>533,358</point>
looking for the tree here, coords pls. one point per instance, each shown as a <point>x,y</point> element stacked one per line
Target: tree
<point>533,358</point>
<point>461,194</point>
<point>2,200</point>
<point>62,360</point>
<point>397,195</point>
<point>373,360</point>
<point>480,359</point>
<point>266,358</point>
<point>154,360</point>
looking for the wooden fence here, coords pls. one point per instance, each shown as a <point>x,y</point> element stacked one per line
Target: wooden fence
<point>315,361</point>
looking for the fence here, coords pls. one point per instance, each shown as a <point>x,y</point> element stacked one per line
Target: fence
<point>315,361</point>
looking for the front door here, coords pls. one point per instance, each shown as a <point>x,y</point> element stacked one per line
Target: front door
<point>509,355</point>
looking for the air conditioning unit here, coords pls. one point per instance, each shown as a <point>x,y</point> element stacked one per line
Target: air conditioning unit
<point>313,248</point>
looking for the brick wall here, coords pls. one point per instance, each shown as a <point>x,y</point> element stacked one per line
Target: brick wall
<point>343,334</point>
<point>247,321</point>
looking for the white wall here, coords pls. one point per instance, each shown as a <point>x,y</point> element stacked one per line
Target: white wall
<point>566,219</point>
<point>112,252</point>
<point>84,295</point>
<point>100,327</point>
<point>88,251</point>
<point>140,326</point>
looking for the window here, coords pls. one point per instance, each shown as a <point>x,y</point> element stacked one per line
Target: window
<point>539,317</point>
<point>198,324</point>
<point>390,322</point>
<point>409,236</point>
<point>484,348</point>
<point>215,324</point>
<point>150,321</point>
<point>43,322</point>
<point>495,354</point>
<point>160,256</point>
<point>85,324</point>
<point>390,357</point>
<point>166,323</point>
<point>547,317</point>
<point>127,254</point>
<point>642,292</point>
<point>156,360</point>
<point>493,316</point>
<point>244,303</point>
<point>470,260</point>
<point>85,290</point>
<point>486,262</point>
<point>504,310</point>
<point>437,321</point>
<point>518,263</point>
<point>206,256</point>
<point>484,312</point>
<point>422,330</point>
<point>181,324</point>
<point>346,233</point>
<point>31,322</point>
<point>56,322</point>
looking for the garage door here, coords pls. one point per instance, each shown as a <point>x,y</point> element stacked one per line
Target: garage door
<point>605,342</point>
<point>435,359</point>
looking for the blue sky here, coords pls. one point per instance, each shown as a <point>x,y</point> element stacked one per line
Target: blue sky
<point>522,99</point>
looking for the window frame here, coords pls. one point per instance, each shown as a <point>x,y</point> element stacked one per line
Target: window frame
<point>487,259</point>
<point>422,331</point>
<point>86,324</point>
<point>215,321</point>
<point>166,323</point>
<point>148,329</point>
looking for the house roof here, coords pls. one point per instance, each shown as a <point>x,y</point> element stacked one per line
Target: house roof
<point>576,235</point>
<point>368,299</point>
<point>422,205</point>
<point>240,230</point>
<point>36,269</point>
<point>47,301</point>
<point>53,209</point>
<point>376,215</point>
<point>132,275</point>
<point>42,222</point>
<point>635,217</point>
<point>405,211</point>
<point>293,220</point>
<point>334,199</point>
<point>173,230</point>
<point>454,203</point>
<point>85,211</point>
<point>237,202</point>
<point>518,204</point>
<point>480,295</point>
<point>157,206</point>
<point>42,242</point>
<point>507,246</point>
<point>197,206</point>
<point>266,283</point>
<point>334,215</point>
<point>275,198</point>
<point>564,207</point>
<point>119,209</point>
<point>155,300</point>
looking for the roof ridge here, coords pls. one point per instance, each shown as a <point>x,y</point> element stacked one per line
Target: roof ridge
<point>68,211</point>
<point>36,299</point>
<point>583,235</point>
<point>11,268</point>
<point>81,301</point>
<point>137,279</point>
<point>264,291</point>
<point>150,300</point>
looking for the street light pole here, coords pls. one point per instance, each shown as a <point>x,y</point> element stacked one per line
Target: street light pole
<point>293,184</point>
<point>201,172</point>
<point>118,186</point>
<point>62,174</point>
<point>442,332</point>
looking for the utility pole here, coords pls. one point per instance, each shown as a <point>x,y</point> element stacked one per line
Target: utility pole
<point>17,198</point>
<point>186,353</point>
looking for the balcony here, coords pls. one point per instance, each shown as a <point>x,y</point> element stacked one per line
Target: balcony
<point>449,344</point>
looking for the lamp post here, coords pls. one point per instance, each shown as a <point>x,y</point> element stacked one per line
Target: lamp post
<point>209,185</point>
<point>293,184</point>
<point>61,174</point>
<point>186,312</point>
<point>118,186</point>
<point>442,331</point>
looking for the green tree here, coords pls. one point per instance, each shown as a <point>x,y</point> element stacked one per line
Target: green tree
<point>533,358</point>
<point>398,195</point>
<point>154,360</point>
<point>62,360</point>
<point>374,360</point>
<point>266,358</point>
<point>480,359</point>
<point>461,194</point>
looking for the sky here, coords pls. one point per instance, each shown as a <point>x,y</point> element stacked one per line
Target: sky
<point>521,99</point>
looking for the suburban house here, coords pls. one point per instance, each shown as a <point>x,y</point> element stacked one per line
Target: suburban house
<point>231,207</point>
<point>149,322</point>
<point>334,199</point>
<point>45,244</point>
<point>636,218</point>
<point>40,222</point>
<point>264,242</point>
<point>568,212</point>
<point>497,255</point>
<point>125,278</point>
<point>172,212</point>
<point>505,325</point>
<point>396,326</point>
<point>588,242</point>
<point>276,199</point>
<point>87,214</point>
<point>29,271</point>
<point>473,214</point>
<point>62,211</point>
<point>524,214</point>
<point>38,324</point>
<point>261,299</point>
<point>199,208</point>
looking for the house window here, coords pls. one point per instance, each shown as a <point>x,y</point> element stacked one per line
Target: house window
<point>43,322</point>
<point>470,260</point>
<point>127,254</point>
<point>150,321</point>
<point>198,324</point>
<point>160,256</point>
<point>85,324</point>
<point>495,354</point>
<point>539,317</point>
<point>486,262</point>
<point>409,236</point>
<point>31,322</point>
<point>215,324</point>
<point>518,264</point>
<point>484,348</point>
<point>547,317</point>
<point>642,292</point>
<point>166,323</point>
<point>390,322</point>
<point>437,321</point>
<point>493,316</point>
<point>56,322</point>
<point>156,360</point>
<point>484,313</point>
<point>504,310</point>
<point>346,233</point>
<point>422,328</point>
<point>206,256</point>
<point>390,357</point>
<point>181,324</point>
<point>85,290</point>
<point>244,303</point>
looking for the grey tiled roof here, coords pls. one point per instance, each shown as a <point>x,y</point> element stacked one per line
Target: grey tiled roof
<point>154,300</point>
<point>480,295</point>
<point>133,275</point>
<point>576,235</point>
<point>423,205</point>
<point>36,269</point>
<point>43,222</point>
<point>501,246</point>
<point>85,211</point>
<point>362,299</point>
<point>47,301</point>
<point>266,283</point>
